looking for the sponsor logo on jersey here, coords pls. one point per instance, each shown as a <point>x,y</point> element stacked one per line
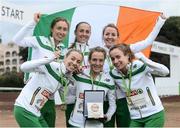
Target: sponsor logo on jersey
<point>81,95</point>
<point>136,92</point>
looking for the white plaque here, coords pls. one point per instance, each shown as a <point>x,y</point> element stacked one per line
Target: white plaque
<point>93,104</point>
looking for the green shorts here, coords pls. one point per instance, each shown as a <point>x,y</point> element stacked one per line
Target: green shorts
<point>155,120</point>
<point>48,113</point>
<point>27,119</point>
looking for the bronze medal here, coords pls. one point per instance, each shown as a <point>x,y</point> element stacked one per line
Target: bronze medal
<point>63,107</point>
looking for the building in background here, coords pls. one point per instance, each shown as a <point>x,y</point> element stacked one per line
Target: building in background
<point>9,58</point>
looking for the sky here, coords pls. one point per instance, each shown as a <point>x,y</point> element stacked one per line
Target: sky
<point>171,7</point>
<point>9,28</point>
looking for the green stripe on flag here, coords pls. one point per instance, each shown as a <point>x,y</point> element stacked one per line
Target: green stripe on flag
<point>43,26</point>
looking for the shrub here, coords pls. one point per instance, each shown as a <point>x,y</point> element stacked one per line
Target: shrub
<point>11,79</point>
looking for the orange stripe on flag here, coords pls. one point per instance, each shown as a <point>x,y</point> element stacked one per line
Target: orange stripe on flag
<point>135,25</point>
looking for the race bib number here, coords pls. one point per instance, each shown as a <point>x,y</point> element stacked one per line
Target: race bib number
<point>137,102</point>
<point>40,97</point>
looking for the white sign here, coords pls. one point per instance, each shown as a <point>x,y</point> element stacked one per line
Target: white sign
<point>15,14</point>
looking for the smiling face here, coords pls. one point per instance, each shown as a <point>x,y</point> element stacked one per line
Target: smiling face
<point>83,32</point>
<point>59,31</point>
<point>73,61</point>
<point>110,36</point>
<point>96,62</point>
<point>119,59</point>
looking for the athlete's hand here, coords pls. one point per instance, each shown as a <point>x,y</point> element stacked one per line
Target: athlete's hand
<point>37,17</point>
<point>103,120</point>
<point>162,15</point>
<point>57,54</point>
<point>78,70</point>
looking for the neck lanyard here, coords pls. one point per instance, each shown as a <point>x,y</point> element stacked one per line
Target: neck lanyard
<point>83,52</point>
<point>63,80</point>
<point>109,63</point>
<point>92,80</point>
<point>128,87</point>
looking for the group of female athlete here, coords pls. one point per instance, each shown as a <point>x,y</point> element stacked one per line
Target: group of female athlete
<point>130,99</point>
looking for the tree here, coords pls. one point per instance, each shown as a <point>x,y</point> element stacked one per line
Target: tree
<point>11,79</point>
<point>23,53</point>
<point>170,32</point>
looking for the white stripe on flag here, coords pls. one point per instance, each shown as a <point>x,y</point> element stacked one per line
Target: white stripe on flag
<point>97,16</point>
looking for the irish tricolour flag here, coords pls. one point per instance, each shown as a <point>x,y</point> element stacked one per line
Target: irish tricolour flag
<point>134,24</point>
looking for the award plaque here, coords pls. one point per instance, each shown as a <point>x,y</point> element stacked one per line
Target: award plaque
<point>93,104</point>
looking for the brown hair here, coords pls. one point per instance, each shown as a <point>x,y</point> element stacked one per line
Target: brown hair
<point>97,49</point>
<point>111,25</point>
<point>125,49</point>
<point>73,44</point>
<point>73,50</point>
<point>57,19</point>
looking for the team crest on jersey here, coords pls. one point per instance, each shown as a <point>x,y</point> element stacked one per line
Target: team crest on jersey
<point>135,66</point>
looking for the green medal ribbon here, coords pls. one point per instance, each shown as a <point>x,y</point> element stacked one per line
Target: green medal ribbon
<point>128,87</point>
<point>83,52</point>
<point>63,80</point>
<point>92,80</point>
<point>110,63</point>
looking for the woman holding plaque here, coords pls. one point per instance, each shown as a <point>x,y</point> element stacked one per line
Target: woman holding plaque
<point>111,36</point>
<point>136,81</point>
<point>93,79</point>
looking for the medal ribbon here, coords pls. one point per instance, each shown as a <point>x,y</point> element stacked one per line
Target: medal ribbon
<point>83,52</point>
<point>63,80</point>
<point>109,63</point>
<point>92,80</point>
<point>128,87</point>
